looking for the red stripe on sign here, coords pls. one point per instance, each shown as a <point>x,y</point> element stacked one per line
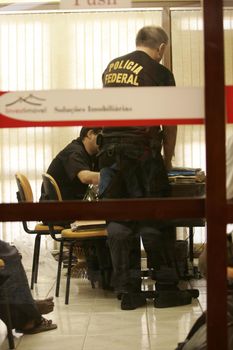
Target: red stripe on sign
<point>6,122</point>
<point>229,103</point>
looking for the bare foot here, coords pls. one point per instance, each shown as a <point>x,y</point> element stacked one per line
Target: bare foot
<point>45,306</point>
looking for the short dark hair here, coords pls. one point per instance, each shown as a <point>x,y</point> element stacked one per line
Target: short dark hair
<point>84,131</point>
<point>152,37</point>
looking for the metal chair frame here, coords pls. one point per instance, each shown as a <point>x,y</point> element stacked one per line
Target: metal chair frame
<point>90,234</point>
<point>24,194</point>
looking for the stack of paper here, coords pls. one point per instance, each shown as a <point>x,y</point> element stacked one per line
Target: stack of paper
<point>186,175</point>
<point>87,225</point>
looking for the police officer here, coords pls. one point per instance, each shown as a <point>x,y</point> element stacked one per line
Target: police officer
<point>132,167</point>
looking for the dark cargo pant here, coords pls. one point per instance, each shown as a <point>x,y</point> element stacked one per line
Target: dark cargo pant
<point>124,244</point>
<point>137,172</point>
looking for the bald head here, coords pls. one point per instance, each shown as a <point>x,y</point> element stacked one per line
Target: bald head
<point>151,37</point>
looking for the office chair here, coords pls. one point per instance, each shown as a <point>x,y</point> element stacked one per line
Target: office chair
<point>88,234</point>
<point>24,194</point>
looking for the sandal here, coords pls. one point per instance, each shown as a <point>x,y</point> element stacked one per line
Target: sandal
<point>44,326</point>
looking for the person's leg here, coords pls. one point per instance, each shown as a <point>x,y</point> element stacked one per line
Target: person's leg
<point>126,268</point>
<point>159,243</point>
<point>121,241</point>
<point>23,308</point>
<point>104,263</point>
<point>166,274</point>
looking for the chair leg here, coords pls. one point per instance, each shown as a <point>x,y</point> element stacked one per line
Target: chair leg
<point>92,284</point>
<point>91,277</point>
<point>59,269</point>
<point>34,262</point>
<point>103,279</point>
<point>69,274</point>
<point>37,257</point>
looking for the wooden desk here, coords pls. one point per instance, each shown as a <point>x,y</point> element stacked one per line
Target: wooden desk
<point>195,189</point>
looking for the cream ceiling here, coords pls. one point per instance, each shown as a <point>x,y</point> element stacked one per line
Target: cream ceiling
<point>57,1</point>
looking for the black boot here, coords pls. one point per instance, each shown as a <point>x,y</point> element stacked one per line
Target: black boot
<point>135,286</point>
<point>171,298</point>
<point>131,301</point>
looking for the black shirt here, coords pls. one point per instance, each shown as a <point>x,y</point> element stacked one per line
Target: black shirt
<point>65,167</point>
<point>135,69</point>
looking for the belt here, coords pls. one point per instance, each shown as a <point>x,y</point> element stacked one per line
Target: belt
<point>132,140</point>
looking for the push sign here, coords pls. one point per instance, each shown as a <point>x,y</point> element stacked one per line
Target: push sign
<point>94,4</point>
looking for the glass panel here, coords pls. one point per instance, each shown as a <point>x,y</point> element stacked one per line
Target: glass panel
<point>228,49</point>
<point>54,51</point>
<point>187,59</point>
<point>31,57</point>
<point>228,46</point>
<point>88,44</point>
<point>187,62</point>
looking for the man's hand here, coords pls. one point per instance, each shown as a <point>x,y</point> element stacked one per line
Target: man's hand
<point>168,164</point>
<point>89,177</point>
<point>169,143</point>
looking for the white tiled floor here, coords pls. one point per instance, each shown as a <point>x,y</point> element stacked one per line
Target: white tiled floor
<point>93,319</point>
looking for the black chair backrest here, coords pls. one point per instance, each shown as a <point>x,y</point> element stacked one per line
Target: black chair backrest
<point>51,189</point>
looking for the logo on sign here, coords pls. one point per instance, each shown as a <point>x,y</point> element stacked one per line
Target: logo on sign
<point>29,104</point>
<point>30,100</point>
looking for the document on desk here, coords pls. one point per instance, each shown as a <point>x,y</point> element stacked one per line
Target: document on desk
<point>186,175</point>
<point>87,225</point>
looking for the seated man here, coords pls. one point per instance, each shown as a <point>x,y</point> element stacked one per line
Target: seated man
<point>75,167</point>
<point>26,313</point>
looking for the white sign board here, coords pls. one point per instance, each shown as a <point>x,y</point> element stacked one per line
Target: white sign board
<point>94,4</point>
<point>118,106</point>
